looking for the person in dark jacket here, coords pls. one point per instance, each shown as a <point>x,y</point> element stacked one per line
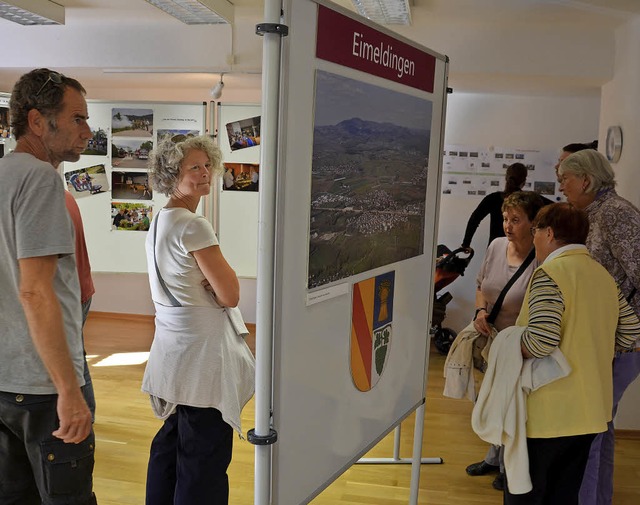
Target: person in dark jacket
<point>491,205</point>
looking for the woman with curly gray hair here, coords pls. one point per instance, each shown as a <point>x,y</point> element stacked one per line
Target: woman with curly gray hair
<point>200,372</point>
<point>587,180</point>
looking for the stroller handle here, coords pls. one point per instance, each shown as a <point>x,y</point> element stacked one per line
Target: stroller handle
<point>454,254</point>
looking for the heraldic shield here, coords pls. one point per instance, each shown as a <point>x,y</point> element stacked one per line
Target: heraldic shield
<point>371,331</point>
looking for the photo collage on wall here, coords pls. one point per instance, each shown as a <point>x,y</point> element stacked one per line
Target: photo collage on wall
<point>478,171</point>
<point>132,134</point>
<point>242,176</point>
<point>116,160</point>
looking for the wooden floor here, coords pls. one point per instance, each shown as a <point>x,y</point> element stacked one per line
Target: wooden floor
<point>125,426</point>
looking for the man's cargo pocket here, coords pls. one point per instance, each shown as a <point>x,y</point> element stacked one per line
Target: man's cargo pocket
<point>68,468</point>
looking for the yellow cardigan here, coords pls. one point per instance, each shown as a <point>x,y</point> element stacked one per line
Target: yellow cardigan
<point>582,402</point>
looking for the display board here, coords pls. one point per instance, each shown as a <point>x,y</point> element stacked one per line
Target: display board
<point>360,143</point>
<point>110,181</point>
<point>480,170</point>
<point>237,202</point>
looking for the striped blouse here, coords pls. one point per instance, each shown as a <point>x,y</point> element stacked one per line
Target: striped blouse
<point>546,307</point>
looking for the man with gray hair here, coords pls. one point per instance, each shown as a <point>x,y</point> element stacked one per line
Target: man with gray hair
<point>46,440</point>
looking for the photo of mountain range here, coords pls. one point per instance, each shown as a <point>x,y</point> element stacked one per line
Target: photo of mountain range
<point>369,177</point>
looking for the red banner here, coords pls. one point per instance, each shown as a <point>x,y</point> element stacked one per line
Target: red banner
<point>348,42</point>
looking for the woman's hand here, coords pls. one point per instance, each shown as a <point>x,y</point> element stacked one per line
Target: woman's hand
<point>208,287</point>
<point>481,324</point>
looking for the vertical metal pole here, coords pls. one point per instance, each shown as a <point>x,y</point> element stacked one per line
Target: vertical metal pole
<point>417,456</point>
<point>266,250</point>
<point>396,442</point>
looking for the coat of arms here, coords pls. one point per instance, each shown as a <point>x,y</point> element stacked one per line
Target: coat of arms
<point>371,329</point>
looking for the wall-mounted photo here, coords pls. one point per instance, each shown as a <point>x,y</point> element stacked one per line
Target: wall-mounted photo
<point>4,122</point>
<point>545,187</point>
<point>130,153</point>
<point>97,145</point>
<point>132,122</point>
<point>131,186</point>
<point>244,133</point>
<point>131,216</point>
<point>176,135</point>
<point>241,177</point>
<point>87,181</point>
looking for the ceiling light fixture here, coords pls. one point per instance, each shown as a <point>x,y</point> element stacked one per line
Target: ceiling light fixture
<point>197,12</point>
<point>30,12</point>
<point>385,12</point>
<point>216,91</point>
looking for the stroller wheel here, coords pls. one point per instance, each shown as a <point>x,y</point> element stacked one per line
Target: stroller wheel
<point>443,338</point>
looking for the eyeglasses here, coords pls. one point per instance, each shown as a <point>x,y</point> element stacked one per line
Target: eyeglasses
<point>533,230</point>
<point>54,77</point>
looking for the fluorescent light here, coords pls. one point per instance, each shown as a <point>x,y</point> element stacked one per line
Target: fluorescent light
<point>32,12</point>
<point>385,12</point>
<point>197,12</point>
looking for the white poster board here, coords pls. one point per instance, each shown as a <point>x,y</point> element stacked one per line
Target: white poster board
<point>238,205</point>
<point>130,128</point>
<point>480,170</point>
<point>347,138</point>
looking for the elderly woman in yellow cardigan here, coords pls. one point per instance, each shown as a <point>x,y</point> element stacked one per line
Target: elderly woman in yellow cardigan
<point>574,304</point>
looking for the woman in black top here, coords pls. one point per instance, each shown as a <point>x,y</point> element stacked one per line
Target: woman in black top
<point>491,205</point>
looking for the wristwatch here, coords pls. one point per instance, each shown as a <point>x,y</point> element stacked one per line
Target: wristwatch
<point>475,316</point>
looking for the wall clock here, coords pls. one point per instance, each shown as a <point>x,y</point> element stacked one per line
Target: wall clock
<point>614,143</point>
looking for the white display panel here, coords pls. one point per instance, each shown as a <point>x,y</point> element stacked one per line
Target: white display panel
<point>238,210</point>
<point>324,421</point>
<point>112,250</point>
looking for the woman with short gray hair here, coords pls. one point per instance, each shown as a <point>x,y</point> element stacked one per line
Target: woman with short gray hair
<point>200,372</point>
<point>588,181</point>
<point>165,161</point>
<point>595,171</point>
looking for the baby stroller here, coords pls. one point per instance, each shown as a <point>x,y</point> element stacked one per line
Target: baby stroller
<point>449,265</point>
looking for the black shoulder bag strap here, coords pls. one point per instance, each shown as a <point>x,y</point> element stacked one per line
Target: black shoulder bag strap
<point>172,298</point>
<point>498,305</point>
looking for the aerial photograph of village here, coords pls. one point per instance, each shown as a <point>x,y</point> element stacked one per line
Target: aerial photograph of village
<point>369,177</point>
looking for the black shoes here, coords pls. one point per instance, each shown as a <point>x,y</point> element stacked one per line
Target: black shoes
<point>482,468</point>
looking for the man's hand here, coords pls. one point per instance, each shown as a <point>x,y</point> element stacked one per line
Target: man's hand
<point>75,418</point>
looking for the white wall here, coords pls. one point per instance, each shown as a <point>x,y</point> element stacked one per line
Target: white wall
<point>540,122</point>
<point>129,293</point>
<point>620,105</point>
<point>568,52</point>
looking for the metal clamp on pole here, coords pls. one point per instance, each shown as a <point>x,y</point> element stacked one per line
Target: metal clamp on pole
<point>263,28</point>
<point>269,439</point>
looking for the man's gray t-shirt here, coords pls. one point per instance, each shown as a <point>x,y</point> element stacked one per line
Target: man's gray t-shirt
<point>34,222</point>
